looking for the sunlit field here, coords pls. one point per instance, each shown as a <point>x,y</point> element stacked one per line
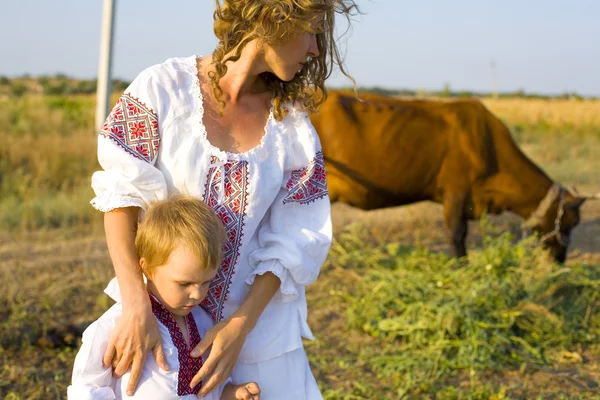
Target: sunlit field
<point>394,316</point>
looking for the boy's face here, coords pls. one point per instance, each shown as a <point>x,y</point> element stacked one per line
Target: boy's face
<point>181,283</point>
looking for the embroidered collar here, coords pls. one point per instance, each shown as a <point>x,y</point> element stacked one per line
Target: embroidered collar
<point>188,366</point>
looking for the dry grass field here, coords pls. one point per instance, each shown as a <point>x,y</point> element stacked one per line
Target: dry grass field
<point>393,315</point>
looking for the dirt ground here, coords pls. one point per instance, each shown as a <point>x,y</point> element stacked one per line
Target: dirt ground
<point>56,279</point>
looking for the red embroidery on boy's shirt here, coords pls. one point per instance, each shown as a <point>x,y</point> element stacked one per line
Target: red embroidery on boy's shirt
<point>232,212</point>
<point>134,127</point>
<point>188,365</point>
<point>307,184</point>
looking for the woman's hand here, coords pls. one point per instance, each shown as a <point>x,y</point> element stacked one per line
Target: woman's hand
<point>226,338</point>
<point>134,335</point>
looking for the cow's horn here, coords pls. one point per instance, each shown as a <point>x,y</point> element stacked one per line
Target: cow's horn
<point>590,196</point>
<point>586,196</point>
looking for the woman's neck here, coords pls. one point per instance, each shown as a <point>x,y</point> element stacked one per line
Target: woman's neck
<point>243,76</point>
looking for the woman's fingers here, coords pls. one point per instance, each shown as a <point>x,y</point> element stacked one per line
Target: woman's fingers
<point>109,354</point>
<point>136,372</point>
<point>214,380</point>
<point>206,341</point>
<point>159,356</point>
<point>118,353</point>
<point>124,362</point>
<point>205,370</point>
<point>201,347</point>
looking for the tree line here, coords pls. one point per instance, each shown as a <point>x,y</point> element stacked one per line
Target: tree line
<point>61,84</point>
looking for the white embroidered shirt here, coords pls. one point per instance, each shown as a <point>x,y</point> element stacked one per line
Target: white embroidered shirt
<point>91,381</point>
<point>271,199</point>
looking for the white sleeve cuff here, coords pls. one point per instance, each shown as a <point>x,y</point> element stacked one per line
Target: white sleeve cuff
<point>108,201</point>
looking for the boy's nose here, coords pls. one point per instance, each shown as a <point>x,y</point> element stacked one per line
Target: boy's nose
<point>199,293</point>
<point>196,295</point>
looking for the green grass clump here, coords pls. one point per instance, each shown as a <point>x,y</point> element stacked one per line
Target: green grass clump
<point>434,317</point>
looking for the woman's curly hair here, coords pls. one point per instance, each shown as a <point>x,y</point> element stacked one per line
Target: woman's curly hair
<point>237,22</point>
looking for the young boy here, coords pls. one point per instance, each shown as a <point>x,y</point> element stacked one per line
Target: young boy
<point>179,244</point>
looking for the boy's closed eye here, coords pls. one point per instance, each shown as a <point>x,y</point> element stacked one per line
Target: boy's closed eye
<point>184,284</point>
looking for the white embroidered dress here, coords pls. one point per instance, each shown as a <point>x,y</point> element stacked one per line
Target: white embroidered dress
<point>272,199</point>
<point>91,381</point>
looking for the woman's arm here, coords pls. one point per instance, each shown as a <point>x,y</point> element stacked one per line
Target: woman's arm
<point>120,226</point>
<point>228,336</point>
<point>136,333</point>
<point>260,294</point>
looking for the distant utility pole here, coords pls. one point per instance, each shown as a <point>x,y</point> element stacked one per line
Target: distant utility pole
<point>104,87</point>
<point>494,80</point>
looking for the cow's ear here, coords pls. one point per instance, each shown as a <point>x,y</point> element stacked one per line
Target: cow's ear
<point>575,203</point>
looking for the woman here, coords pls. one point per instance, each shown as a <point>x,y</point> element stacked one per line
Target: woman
<point>233,130</point>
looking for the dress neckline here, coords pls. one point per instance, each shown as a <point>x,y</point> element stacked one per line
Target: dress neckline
<point>203,133</point>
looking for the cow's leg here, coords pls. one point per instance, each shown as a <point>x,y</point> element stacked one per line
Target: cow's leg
<point>456,222</point>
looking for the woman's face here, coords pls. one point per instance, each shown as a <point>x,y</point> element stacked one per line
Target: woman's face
<point>286,59</point>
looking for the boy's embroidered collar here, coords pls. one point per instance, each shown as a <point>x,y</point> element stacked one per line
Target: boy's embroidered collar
<point>188,366</point>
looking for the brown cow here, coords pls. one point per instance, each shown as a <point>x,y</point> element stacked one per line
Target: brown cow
<point>387,152</point>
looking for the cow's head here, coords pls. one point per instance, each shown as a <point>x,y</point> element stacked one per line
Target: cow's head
<point>555,218</point>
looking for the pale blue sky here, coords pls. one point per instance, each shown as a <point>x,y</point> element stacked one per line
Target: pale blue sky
<point>548,46</point>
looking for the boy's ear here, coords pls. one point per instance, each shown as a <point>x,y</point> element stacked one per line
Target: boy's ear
<point>144,266</point>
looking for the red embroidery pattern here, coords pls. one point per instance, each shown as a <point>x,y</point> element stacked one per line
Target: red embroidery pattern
<point>134,127</point>
<point>308,184</point>
<point>232,213</point>
<point>188,366</point>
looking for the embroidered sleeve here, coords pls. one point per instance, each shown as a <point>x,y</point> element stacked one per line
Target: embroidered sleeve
<point>133,126</point>
<point>295,234</point>
<point>128,146</point>
<point>307,184</point>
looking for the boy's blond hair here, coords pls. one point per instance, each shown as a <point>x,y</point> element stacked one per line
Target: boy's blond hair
<point>180,220</point>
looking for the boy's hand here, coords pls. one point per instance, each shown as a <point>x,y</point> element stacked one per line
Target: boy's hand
<point>245,391</point>
<point>248,391</point>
